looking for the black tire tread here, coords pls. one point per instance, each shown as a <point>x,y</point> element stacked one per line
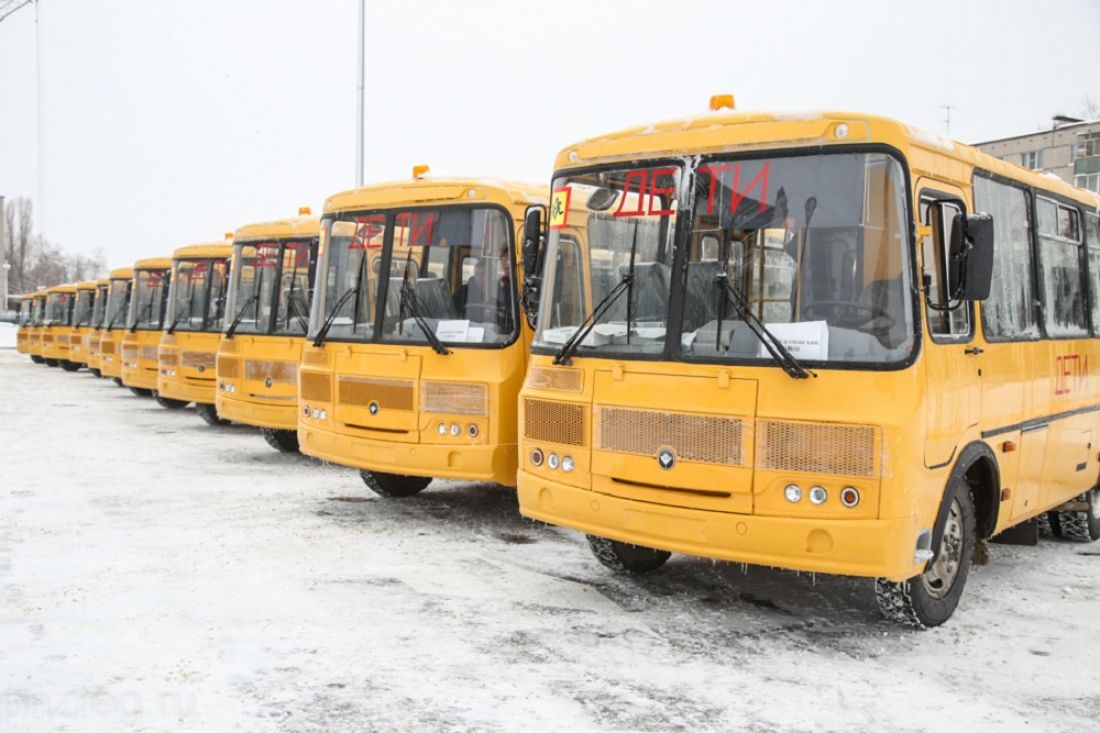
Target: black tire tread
<point>392,485</point>
<point>284,441</point>
<point>623,557</point>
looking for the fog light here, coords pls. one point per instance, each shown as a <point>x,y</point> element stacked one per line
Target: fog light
<point>316,414</point>
<point>793,493</point>
<point>553,461</point>
<point>442,428</point>
<point>323,415</point>
<point>567,464</point>
<point>536,457</point>
<point>818,495</point>
<point>456,429</point>
<point>849,496</point>
<point>472,430</point>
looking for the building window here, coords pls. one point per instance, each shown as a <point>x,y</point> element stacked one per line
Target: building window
<point>1032,159</point>
<point>1088,144</point>
<point>1089,181</point>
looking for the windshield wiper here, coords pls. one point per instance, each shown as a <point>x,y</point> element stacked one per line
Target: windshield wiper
<point>565,353</point>
<point>240,315</point>
<point>353,290</point>
<point>302,321</point>
<point>409,301</point>
<point>148,308</point>
<point>771,342</point>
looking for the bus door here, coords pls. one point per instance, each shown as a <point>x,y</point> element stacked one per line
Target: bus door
<point>952,359</point>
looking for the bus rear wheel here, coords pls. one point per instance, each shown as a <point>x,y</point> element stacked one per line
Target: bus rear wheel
<point>97,373</point>
<point>37,359</point>
<point>1082,525</point>
<point>117,380</point>
<point>623,557</point>
<point>931,598</point>
<point>210,414</point>
<point>70,366</point>
<point>141,391</point>
<point>52,362</point>
<point>392,485</point>
<point>284,441</point>
<point>169,403</point>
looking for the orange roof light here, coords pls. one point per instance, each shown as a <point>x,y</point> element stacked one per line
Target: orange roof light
<point>721,101</point>
<point>419,171</point>
<point>304,211</point>
<point>229,235</point>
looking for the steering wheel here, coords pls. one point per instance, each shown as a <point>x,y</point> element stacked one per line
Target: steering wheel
<point>840,312</point>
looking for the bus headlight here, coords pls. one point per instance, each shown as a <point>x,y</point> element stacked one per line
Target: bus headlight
<point>456,429</point>
<point>442,428</point>
<point>793,493</point>
<point>818,495</point>
<point>552,461</point>
<point>567,464</point>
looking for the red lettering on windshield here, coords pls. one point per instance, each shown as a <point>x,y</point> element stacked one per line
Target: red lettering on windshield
<point>647,183</point>
<point>368,231</point>
<point>714,171</point>
<point>642,178</point>
<point>737,196</point>
<point>419,226</point>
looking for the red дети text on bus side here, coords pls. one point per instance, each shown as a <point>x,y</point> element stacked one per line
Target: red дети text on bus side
<point>1070,373</point>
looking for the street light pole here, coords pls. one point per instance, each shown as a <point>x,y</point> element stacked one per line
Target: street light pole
<point>359,97</point>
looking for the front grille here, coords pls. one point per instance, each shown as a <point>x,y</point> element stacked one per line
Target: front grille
<point>196,359</point>
<point>279,372</point>
<point>62,339</point>
<point>315,387</point>
<point>693,437</point>
<point>130,351</point>
<point>553,422</point>
<point>149,353</point>
<point>229,367</point>
<point>390,394</point>
<point>556,378</point>
<point>93,344</point>
<point>841,450</point>
<point>47,338</point>
<point>168,358</point>
<point>456,398</point>
<point>107,347</point>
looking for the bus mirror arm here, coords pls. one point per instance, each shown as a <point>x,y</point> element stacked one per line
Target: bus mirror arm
<point>972,250</point>
<point>531,261</point>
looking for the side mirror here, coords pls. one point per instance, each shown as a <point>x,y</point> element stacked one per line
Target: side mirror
<point>530,261</point>
<point>972,255</point>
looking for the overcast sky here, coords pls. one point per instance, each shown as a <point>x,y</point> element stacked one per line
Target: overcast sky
<point>166,123</point>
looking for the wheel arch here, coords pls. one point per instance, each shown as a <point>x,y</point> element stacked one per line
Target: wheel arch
<point>977,467</point>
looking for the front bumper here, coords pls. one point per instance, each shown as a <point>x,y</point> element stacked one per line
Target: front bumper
<point>877,548</point>
<point>276,416</point>
<point>494,463</point>
<point>177,389</point>
<point>139,378</point>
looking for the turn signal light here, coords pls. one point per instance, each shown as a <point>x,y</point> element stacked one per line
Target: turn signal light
<point>849,496</point>
<point>536,457</point>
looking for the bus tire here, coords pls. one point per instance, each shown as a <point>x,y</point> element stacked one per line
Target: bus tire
<point>168,403</point>
<point>97,373</point>
<point>284,441</point>
<point>1082,526</point>
<point>209,413</point>
<point>37,359</point>
<point>1049,525</point>
<point>931,598</point>
<point>141,391</point>
<point>52,362</point>
<point>392,485</point>
<point>70,366</point>
<point>623,557</point>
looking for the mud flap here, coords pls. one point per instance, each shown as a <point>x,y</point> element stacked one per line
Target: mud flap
<point>1024,533</point>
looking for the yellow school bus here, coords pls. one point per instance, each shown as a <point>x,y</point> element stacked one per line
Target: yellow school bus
<point>95,328</point>
<point>83,307</point>
<point>784,340</point>
<point>34,328</point>
<point>114,322</point>
<point>416,350</point>
<point>23,335</point>
<point>145,324</point>
<point>189,346</point>
<point>268,316</point>
<point>57,325</point>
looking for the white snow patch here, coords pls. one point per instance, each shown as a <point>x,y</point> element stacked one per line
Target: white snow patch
<point>931,139</point>
<point>7,335</point>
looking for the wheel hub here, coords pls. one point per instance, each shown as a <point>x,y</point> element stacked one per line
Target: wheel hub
<point>939,578</point>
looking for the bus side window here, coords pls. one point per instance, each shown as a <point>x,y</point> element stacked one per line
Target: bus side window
<point>1063,304</point>
<point>939,216</point>
<point>1092,240</point>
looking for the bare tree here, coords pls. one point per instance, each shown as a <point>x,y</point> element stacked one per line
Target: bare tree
<point>1090,108</point>
<point>36,262</point>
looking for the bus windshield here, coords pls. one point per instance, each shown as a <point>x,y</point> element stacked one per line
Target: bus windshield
<point>38,312</point>
<point>99,306</point>
<point>118,303</point>
<point>58,309</point>
<point>25,309</point>
<point>426,276</point>
<point>82,310</point>
<point>197,302</point>
<point>272,281</point>
<point>147,301</point>
<point>813,246</point>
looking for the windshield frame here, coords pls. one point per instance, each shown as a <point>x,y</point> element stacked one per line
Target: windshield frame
<point>209,266</point>
<point>673,351</point>
<point>77,304</point>
<point>133,322</point>
<point>390,213</point>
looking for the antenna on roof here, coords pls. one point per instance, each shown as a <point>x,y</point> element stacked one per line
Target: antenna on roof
<point>947,118</point>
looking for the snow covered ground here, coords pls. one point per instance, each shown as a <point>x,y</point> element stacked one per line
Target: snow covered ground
<point>7,335</point>
<point>157,574</point>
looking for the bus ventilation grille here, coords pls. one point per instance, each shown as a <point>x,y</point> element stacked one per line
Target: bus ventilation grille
<point>228,346</point>
<point>390,394</point>
<point>149,353</point>
<point>229,368</point>
<point>558,378</point>
<point>168,358</point>
<point>454,398</point>
<point>553,422</point>
<point>279,372</point>
<point>107,347</point>
<point>315,387</point>
<point>316,357</point>
<point>196,359</point>
<point>700,438</point>
<point>840,450</point>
